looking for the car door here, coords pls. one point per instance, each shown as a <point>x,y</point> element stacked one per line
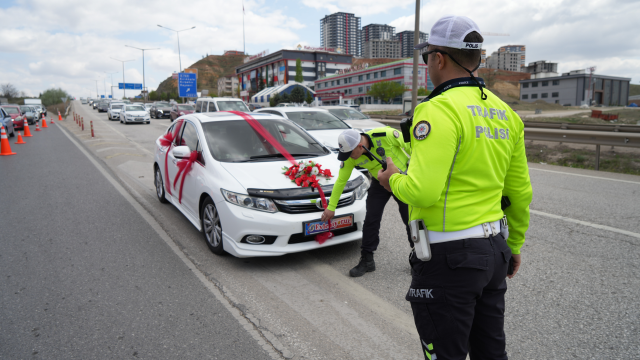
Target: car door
<point>194,180</point>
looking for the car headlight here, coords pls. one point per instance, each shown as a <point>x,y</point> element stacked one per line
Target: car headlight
<point>254,203</point>
<point>160,111</point>
<point>361,190</point>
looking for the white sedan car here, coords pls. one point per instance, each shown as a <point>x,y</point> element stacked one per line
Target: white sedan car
<point>236,192</point>
<point>134,114</point>
<point>113,113</point>
<point>353,117</point>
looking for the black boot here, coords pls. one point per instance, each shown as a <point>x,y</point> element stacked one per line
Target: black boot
<point>365,265</point>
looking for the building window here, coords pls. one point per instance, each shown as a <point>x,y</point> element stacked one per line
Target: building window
<point>555,94</point>
<point>525,97</point>
<point>337,82</point>
<point>534,84</point>
<point>349,91</point>
<point>368,88</point>
<point>333,83</point>
<point>534,96</point>
<point>545,83</point>
<point>368,76</point>
<point>397,71</point>
<point>360,78</point>
<point>544,95</point>
<point>326,84</point>
<point>375,75</point>
<point>360,89</point>
<point>525,85</point>
<point>383,73</point>
<point>318,86</point>
<point>556,82</point>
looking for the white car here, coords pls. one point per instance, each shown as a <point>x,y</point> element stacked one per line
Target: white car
<point>236,192</point>
<point>353,117</point>
<point>321,124</point>
<point>134,114</point>
<point>113,113</point>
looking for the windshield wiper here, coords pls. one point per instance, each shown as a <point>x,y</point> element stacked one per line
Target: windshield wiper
<point>280,155</point>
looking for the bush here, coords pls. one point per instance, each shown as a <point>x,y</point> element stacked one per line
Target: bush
<point>297,95</point>
<point>53,96</point>
<point>309,98</point>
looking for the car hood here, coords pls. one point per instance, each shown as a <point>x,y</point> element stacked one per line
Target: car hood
<point>364,124</point>
<point>137,113</point>
<point>269,174</point>
<point>327,137</point>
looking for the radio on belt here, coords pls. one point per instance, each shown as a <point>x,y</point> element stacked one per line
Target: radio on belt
<point>420,237</point>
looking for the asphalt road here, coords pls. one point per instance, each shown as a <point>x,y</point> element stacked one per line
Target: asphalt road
<point>84,276</point>
<point>576,295</point>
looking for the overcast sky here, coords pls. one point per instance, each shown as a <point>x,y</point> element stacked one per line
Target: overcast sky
<point>69,43</point>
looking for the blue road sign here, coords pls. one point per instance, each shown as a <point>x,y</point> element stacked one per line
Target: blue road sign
<point>130,86</point>
<point>109,96</point>
<point>187,85</point>
<point>102,96</point>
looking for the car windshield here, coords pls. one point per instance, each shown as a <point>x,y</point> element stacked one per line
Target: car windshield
<point>25,109</point>
<point>348,114</point>
<point>236,141</point>
<point>116,107</point>
<point>162,105</point>
<point>232,105</point>
<point>11,110</point>
<point>185,107</point>
<point>135,108</point>
<point>316,120</point>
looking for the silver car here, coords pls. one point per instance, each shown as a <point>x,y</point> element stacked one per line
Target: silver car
<point>353,117</point>
<point>114,111</point>
<point>31,113</point>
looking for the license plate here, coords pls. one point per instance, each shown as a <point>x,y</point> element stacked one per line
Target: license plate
<point>317,227</point>
<point>139,119</point>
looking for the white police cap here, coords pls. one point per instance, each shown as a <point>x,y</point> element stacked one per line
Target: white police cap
<point>450,31</point>
<point>347,142</point>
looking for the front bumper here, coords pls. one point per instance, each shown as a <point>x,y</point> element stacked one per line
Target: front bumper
<point>136,120</point>
<point>237,222</point>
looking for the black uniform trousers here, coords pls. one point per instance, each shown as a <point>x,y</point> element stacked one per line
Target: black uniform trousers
<point>377,198</point>
<point>457,299</point>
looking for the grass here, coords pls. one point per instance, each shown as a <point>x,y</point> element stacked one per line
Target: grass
<point>562,155</point>
<point>625,116</point>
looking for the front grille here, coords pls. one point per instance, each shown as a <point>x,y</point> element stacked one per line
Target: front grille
<point>306,206</point>
<point>300,238</point>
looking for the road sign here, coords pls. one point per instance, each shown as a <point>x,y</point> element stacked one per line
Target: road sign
<point>109,96</point>
<point>102,96</point>
<point>64,99</point>
<point>187,85</point>
<point>130,86</point>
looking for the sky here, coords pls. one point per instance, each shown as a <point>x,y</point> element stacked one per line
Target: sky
<point>70,43</point>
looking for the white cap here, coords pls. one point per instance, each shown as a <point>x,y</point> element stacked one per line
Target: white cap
<point>450,31</point>
<point>347,141</point>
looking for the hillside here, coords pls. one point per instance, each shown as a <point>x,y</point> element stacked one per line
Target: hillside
<point>209,70</point>
<point>634,89</point>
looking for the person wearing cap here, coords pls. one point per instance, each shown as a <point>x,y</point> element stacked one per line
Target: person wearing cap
<point>468,155</point>
<point>382,142</point>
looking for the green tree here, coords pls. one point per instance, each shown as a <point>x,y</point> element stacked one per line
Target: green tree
<point>386,90</point>
<point>423,92</point>
<point>284,98</point>
<point>299,78</point>
<point>297,95</point>
<point>309,98</point>
<point>53,96</point>
<point>273,100</point>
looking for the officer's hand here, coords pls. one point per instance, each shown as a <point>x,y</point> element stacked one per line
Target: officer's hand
<point>517,261</point>
<point>327,215</point>
<point>384,175</point>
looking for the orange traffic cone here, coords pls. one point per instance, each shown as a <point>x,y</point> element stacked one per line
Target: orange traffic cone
<point>27,132</point>
<point>51,120</point>
<point>38,127</point>
<point>59,116</point>
<point>5,148</point>
<point>20,141</point>
<point>44,122</point>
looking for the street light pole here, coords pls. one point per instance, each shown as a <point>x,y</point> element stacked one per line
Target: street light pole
<point>416,56</point>
<point>97,88</point>
<point>144,87</point>
<point>177,33</point>
<point>124,84</point>
<point>111,75</point>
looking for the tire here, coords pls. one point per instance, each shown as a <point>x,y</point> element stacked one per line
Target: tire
<point>159,186</point>
<point>211,227</point>
<point>13,133</point>
<point>148,122</point>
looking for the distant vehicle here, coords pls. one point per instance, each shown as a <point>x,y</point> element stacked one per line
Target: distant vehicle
<point>178,110</point>
<point>30,113</point>
<point>286,105</point>
<point>13,111</point>
<point>114,110</point>
<point>7,122</point>
<point>33,102</point>
<point>209,104</point>
<point>94,105</point>
<point>253,107</point>
<point>103,106</point>
<point>353,117</point>
<point>160,109</point>
<point>134,114</point>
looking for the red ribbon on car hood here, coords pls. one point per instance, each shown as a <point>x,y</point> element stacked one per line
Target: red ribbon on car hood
<point>261,131</point>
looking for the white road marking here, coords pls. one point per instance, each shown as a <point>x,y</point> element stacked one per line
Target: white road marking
<point>112,148</point>
<point>250,327</point>
<point>587,176</point>
<point>586,223</point>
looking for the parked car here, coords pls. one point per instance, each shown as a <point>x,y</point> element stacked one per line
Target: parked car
<point>30,113</point>
<point>253,107</point>
<point>178,110</point>
<point>286,105</point>
<point>160,109</point>
<point>321,124</point>
<point>134,114</point>
<point>353,117</point>
<point>211,104</point>
<point>7,122</point>
<point>103,106</point>
<point>114,110</point>
<point>237,195</point>
<point>36,103</point>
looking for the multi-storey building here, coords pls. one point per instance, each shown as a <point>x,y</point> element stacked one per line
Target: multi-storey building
<point>390,49</point>
<point>483,58</point>
<point>542,69</point>
<point>406,42</point>
<point>378,32</point>
<point>509,57</point>
<point>228,85</point>
<point>341,31</point>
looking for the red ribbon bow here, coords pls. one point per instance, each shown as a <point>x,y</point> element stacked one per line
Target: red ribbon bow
<point>184,166</point>
<point>166,141</point>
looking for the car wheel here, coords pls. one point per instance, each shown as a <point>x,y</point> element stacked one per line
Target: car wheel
<point>211,227</point>
<point>160,186</point>
<point>148,122</point>
<point>13,133</point>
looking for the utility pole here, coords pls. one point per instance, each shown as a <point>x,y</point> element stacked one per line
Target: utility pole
<point>178,34</point>
<point>124,83</point>
<point>97,88</point>
<point>111,74</point>
<point>416,57</point>
<point>144,87</point>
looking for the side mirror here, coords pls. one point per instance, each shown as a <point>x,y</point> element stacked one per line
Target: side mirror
<point>180,152</point>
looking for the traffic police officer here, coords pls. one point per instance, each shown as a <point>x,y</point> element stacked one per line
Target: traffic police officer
<point>384,142</point>
<point>467,154</point>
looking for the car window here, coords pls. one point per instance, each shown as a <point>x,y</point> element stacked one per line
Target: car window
<point>347,114</point>
<point>189,136</point>
<point>117,106</point>
<point>316,120</point>
<point>135,108</point>
<point>232,106</point>
<point>185,107</point>
<point>11,110</point>
<point>236,141</point>
<point>199,106</point>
